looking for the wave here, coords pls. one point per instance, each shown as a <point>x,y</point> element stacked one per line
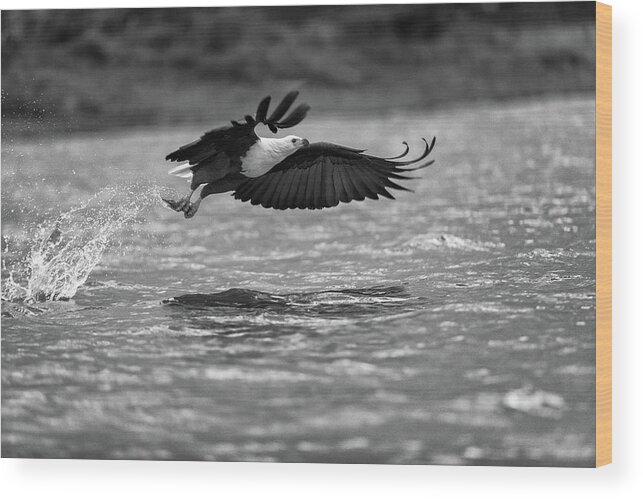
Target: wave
<point>248,298</point>
<point>344,302</point>
<point>239,312</point>
<point>446,241</point>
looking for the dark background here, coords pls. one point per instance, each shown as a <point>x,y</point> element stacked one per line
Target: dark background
<point>91,69</point>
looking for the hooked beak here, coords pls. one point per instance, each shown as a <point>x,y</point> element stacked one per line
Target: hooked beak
<point>305,143</point>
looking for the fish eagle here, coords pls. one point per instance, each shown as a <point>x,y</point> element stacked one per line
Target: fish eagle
<point>284,173</point>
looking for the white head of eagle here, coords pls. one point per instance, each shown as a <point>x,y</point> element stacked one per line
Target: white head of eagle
<point>288,172</point>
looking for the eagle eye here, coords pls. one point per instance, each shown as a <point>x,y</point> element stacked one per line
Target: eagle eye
<point>293,140</point>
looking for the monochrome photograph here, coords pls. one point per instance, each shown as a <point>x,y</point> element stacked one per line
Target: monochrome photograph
<point>301,234</point>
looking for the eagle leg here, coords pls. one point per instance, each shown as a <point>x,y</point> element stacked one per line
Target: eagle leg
<point>180,204</point>
<point>192,208</point>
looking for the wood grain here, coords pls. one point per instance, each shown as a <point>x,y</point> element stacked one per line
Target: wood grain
<point>603,234</point>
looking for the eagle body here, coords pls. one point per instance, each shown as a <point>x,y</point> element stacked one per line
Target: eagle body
<point>267,153</point>
<point>284,173</point>
<point>256,160</point>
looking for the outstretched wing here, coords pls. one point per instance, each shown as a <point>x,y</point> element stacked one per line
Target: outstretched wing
<point>321,175</point>
<point>237,137</point>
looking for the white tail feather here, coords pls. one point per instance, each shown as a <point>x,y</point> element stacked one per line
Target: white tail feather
<point>181,170</point>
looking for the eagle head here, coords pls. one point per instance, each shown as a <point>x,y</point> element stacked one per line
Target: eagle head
<point>293,142</point>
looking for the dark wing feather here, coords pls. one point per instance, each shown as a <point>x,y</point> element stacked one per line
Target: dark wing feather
<point>322,175</point>
<point>262,109</point>
<point>296,117</point>
<point>217,153</point>
<point>283,106</point>
<point>332,196</point>
<point>291,199</point>
<point>235,139</point>
<point>275,121</point>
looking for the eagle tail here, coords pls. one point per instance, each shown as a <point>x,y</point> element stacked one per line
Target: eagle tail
<point>182,171</point>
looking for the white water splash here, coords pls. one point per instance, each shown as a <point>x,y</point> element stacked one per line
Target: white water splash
<point>67,250</point>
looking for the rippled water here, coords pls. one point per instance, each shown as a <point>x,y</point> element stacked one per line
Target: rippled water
<point>454,325</point>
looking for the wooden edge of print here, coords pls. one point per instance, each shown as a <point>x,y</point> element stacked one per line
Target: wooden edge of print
<point>603,234</point>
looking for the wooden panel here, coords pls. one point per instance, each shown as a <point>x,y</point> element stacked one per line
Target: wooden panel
<point>603,234</point>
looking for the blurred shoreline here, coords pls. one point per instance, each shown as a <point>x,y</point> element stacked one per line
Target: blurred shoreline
<point>20,127</point>
<point>84,70</point>
<point>332,122</point>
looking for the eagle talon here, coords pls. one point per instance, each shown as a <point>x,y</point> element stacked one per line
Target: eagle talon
<point>179,205</point>
<point>191,209</point>
<point>170,203</point>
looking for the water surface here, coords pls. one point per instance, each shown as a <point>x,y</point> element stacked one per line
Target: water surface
<point>454,325</point>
